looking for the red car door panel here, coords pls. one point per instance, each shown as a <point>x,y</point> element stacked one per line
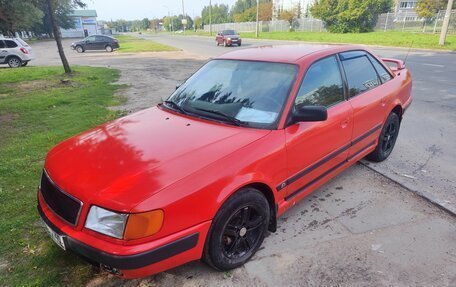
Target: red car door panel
<point>367,99</point>
<point>313,148</point>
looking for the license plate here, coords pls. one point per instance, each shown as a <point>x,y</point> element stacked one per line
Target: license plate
<point>58,239</point>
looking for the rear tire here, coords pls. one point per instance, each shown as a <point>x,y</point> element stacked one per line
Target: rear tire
<point>14,62</point>
<point>217,43</point>
<point>387,139</point>
<point>109,49</point>
<point>238,230</point>
<point>79,49</point>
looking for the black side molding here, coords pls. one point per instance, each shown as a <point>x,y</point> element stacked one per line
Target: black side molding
<point>326,159</point>
<point>125,262</point>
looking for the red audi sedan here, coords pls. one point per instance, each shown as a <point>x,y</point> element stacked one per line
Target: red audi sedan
<point>205,174</point>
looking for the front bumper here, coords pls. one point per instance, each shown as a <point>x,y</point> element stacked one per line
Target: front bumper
<point>188,246</point>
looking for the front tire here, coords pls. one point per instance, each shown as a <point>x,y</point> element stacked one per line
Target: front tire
<point>14,62</point>
<point>79,49</point>
<point>387,139</point>
<point>238,230</point>
<point>108,49</point>
<point>24,63</point>
<point>225,44</point>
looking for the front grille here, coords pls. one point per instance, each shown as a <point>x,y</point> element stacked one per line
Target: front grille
<point>64,205</point>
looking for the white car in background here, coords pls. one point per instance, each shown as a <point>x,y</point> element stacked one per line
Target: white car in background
<point>15,52</point>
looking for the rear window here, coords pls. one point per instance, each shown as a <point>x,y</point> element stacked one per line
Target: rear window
<point>361,75</point>
<point>22,42</point>
<point>10,44</point>
<point>2,44</point>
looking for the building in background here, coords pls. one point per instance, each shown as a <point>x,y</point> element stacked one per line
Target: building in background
<point>85,24</point>
<point>406,10</point>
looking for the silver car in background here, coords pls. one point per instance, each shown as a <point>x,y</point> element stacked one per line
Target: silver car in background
<point>15,52</point>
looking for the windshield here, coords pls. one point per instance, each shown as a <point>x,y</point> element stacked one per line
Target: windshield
<point>229,32</point>
<point>244,92</point>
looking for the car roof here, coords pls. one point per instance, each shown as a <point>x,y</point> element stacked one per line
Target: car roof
<point>285,53</point>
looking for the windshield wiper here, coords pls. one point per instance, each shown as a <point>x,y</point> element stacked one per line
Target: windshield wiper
<point>225,116</point>
<point>175,106</point>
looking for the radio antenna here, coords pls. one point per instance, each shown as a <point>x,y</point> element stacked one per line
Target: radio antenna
<point>408,52</point>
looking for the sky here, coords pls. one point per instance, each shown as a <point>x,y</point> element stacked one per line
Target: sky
<point>139,9</point>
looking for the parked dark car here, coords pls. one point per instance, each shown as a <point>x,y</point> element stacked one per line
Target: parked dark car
<point>228,38</point>
<point>96,42</point>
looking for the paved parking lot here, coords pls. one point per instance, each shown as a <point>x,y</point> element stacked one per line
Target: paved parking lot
<point>360,229</point>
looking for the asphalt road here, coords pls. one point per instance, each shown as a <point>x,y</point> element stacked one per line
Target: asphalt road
<point>424,159</point>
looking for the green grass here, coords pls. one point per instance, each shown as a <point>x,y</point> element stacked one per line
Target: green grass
<point>391,38</point>
<point>37,111</point>
<point>131,44</point>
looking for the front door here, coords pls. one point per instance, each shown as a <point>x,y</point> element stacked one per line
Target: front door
<point>315,149</point>
<point>90,43</point>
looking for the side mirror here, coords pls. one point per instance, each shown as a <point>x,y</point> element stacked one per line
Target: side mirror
<point>310,114</point>
<point>178,86</point>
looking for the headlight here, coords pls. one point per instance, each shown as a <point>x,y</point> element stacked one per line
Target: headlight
<point>229,39</point>
<point>106,222</point>
<point>124,226</point>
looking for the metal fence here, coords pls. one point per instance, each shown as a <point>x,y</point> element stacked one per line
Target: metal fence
<point>397,21</point>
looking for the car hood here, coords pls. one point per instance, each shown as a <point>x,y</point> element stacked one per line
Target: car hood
<point>121,163</point>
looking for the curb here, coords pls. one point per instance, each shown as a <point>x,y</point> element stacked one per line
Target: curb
<point>423,194</point>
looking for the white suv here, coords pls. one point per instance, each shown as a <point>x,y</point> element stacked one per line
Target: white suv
<point>15,52</point>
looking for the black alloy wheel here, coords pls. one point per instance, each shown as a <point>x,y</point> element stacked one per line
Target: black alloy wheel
<point>387,139</point>
<point>238,230</point>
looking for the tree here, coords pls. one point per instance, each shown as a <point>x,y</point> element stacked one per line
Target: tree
<point>145,24</point>
<point>53,7</point>
<point>18,15</point>
<point>249,15</point>
<point>343,16</point>
<point>220,14</point>
<point>428,9</point>
<point>198,23</point>
<point>290,16</point>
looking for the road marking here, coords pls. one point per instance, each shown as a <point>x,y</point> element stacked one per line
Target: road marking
<point>434,65</point>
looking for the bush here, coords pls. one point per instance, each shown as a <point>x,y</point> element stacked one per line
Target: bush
<point>344,16</point>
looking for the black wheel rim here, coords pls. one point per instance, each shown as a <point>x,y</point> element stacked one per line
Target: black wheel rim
<point>389,137</point>
<point>242,232</point>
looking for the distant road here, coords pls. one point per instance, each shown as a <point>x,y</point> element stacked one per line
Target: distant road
<point>424,159</point>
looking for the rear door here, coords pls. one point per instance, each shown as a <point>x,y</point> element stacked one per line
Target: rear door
<point>366,98</point>
<point>100,42</point>
<point>12,48</point>
<point>3,51</point>
<point>315,149</point>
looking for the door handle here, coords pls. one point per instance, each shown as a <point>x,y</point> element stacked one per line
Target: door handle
<point>4,51</point>
<point>344,123</point>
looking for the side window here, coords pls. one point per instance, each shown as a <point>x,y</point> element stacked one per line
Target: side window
<point>2,44</point>
<point>100,39</point>
<point>322,85</point>
<point>361,75</point>
<point>91,39</point>
<point>10,44</point>
<point>384,75</point>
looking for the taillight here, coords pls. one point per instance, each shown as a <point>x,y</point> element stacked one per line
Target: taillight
<point>24,50</point>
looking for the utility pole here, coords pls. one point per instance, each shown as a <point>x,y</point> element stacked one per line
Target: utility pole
<point>210,17</point>
<point>184,19</point>
<point>257,23</point>
<point>446,22</point>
